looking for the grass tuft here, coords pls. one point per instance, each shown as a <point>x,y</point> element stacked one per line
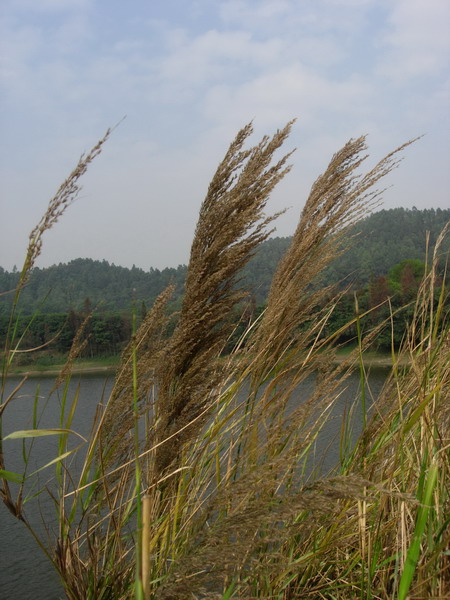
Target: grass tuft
<point>199,478</point>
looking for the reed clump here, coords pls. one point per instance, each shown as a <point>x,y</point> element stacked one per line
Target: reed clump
<point>197,480</point>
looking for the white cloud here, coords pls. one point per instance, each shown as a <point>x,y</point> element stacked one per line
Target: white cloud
<point>245,11</point>
<point>417,39</point>
<point>48,6</point>
<point>291,91</point>
<point>187,87</point>
<point>210,55</point>
<point>297,18</point>
<point>351,3</point>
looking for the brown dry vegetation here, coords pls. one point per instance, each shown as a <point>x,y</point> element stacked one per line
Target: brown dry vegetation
<point>194,482</point>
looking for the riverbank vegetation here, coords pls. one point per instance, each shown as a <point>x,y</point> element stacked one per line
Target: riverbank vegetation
<point>196,480</point>
<point>386,260</point>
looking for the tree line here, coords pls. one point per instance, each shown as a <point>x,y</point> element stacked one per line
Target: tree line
<point>386,260</point>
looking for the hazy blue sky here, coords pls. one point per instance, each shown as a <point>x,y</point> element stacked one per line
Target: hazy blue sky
<point>188,74</point>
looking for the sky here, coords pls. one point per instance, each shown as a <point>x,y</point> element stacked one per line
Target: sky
<point>187,75</point>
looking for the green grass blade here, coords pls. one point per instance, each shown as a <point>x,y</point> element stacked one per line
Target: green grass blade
<point>229,591</point>
<point>55,460</point>
<point>412,556</point>
<point>10,476</point>
<point>33,433</point>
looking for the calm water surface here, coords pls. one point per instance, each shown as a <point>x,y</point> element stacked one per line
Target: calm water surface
<point>25,573</point>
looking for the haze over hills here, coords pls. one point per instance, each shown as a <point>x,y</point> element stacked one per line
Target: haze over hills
<point>382,240</point>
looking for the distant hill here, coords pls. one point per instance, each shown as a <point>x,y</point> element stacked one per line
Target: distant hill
<point>386,238</point>
<point>106,286</point>
<point>382,240</point>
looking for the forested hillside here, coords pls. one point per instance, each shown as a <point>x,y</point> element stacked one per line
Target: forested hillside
<point>381,241</point>
<point>386,238</point>
<point>106,286</point>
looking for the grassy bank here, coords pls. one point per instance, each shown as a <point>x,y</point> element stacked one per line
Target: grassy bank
<point>195,479</point>
<point>110,364</point>
<point>104,364</point>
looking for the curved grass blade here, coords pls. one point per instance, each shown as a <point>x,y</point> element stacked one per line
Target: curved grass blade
<point>11,476</point>
<point>32,433</point>
<point>422,517</point>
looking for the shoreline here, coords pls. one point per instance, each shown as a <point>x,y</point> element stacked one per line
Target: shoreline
<point>382,361</point>
<point>108,370</point>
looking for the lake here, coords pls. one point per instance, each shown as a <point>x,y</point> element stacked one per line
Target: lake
<point>25,573</point>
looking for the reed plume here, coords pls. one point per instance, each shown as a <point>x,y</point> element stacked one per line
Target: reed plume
<point>338,199</point>
<point>223,447</point>
<point>67,192</point>
<point>230,227</point>
<point>259,456</point>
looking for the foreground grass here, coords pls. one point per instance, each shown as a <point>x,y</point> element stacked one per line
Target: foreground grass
<point>195,480</point>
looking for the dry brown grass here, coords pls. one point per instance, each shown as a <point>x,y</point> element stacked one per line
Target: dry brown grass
<point>230,227</point>
<point>219,448</point>
<point>66,194</point>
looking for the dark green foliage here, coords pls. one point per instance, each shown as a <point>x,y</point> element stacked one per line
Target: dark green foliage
<point>385,239</point>
<point>257,275</point>
<point>385,261</point>
<point>405,277</point>
<point>107,286</point>
<point>50,333</point>
<point>386,299</point>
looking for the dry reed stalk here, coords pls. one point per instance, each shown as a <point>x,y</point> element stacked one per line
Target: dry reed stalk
<point>118,418</point>
<point>427,354</point>
<point>66,194</point>
<point>230,227</point>
<point>407,435</point>
<point>77,347</point>
<point>257,526</point>
<point>238,488</point>
<point>146,539</point>
<point>338,199</point>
